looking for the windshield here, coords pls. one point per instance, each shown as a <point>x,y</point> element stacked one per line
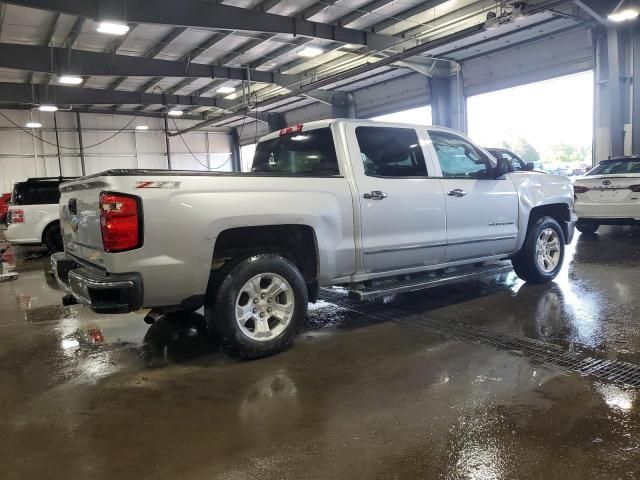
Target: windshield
<point>610,167</point>
<point>309,153</point>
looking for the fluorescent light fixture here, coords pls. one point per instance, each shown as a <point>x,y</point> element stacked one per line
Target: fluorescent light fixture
<point>623,15</point>
<point>113,28</point>
<point>176,113</point>
<point>70,80</point>
<point>351,46</point>
<point>48,108</point>
<point>224,90</point>
<point>142,127</point>
<point>33,125</point>
<point>233,96</point>
<point>310,52</point>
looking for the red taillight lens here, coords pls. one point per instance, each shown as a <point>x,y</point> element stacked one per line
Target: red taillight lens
<point>635,188</point>
<point>17,216</point>
<point>580,189</point>
<point>120,222</point>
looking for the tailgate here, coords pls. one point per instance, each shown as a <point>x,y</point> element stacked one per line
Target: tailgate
<point>80,218</point>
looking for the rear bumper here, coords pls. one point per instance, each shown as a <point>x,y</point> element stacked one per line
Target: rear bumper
<point>608,211</point>
<point>21,234</point>
<point>100,291</point>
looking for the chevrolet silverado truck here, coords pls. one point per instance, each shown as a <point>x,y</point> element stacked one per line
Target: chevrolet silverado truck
<point>375,208</point>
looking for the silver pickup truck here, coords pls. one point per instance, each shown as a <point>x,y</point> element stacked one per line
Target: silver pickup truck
<point>376,208</point>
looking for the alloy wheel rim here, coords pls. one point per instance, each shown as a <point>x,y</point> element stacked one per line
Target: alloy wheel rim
<point>548,250</point>
<point>264,307</point>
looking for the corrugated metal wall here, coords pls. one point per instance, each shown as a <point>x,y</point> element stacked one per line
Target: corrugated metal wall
<point>23,155</point>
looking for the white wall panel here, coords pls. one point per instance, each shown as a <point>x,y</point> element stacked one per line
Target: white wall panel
<point>23,156</point>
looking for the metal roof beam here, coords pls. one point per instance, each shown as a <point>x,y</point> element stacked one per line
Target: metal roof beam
<point>365,9</point>
<point>74,33</point>
<point>81,62</point>
<point>162,44</point>
<point>51,31</point>
<point>406,15</point>
<point>196,13</point>
<point>36,94</point>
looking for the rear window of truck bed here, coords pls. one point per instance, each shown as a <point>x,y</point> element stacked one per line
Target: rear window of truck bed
<point>310,153</point>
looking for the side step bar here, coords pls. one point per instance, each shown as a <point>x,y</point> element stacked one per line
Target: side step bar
<point>424,283</point>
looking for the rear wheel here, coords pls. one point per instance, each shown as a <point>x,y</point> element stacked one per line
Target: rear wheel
<point>587,227</point>
<point>542,254</point>
<point>53,238</point>
<point>255,309</point>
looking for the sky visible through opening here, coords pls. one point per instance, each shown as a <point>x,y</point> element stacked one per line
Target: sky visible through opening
<point>549,122</point>
<point>552,116</point>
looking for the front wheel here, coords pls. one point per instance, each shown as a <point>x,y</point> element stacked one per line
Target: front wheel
<point>587,227</point>
<point>542,254</point>
<point>256,308</point>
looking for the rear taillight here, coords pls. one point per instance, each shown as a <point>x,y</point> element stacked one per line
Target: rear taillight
<point>17,216</point>
<point>635,188</point>
<point>580,189</point>
<point>120,222</point>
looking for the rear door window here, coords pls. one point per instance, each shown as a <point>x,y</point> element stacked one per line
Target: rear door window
<point>391,152</point>
<point>311,153</point>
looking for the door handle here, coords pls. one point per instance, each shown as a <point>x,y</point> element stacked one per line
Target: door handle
<point>375,195</point>
<point>457,193</point>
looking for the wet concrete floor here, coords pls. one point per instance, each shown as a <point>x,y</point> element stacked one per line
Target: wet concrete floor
<point>85,396</point>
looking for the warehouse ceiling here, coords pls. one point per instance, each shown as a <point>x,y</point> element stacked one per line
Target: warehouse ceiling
<point>209,58</point>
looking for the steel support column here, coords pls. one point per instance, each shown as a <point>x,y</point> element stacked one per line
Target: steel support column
<point>635,106</point>
<point>615,94</point>
<point>236,164</point>
<point>80,144</point>
<point>167,141</point>
<point>55,125</point>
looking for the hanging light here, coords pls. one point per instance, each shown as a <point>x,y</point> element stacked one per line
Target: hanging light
<point>33,125</point>
<point>175,113</point>
<point>48,108</point>
<point>113,28</point>
<point>625,11</point>
<point>70,80</point>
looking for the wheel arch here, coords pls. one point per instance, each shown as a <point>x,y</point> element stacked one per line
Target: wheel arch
<point>560,212</point>
<point>47,226</point>
<point>296,242</point>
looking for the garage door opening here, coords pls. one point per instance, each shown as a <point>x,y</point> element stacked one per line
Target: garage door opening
<point>547,123</point>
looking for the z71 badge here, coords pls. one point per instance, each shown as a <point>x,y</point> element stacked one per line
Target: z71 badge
<point>151,184</point>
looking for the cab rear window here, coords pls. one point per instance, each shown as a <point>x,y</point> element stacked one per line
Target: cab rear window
<point>311,153</point>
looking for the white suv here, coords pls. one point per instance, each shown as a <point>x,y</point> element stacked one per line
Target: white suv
<point>33,216</point>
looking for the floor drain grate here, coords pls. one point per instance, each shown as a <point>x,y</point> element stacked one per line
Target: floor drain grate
<point>537,351</point>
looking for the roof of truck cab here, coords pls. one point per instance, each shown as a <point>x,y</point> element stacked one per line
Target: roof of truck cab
<point>307,126</point>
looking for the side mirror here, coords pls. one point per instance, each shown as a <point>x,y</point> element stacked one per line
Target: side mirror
<point>503,167</point>
<point>529,166</point>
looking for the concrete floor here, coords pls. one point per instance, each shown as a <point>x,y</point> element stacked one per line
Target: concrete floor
<point>82,397</point>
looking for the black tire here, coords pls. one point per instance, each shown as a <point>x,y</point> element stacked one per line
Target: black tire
<point>53,238</point>
<point>224,291</point>
<point>587,227</point>
<point>525,262</point>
